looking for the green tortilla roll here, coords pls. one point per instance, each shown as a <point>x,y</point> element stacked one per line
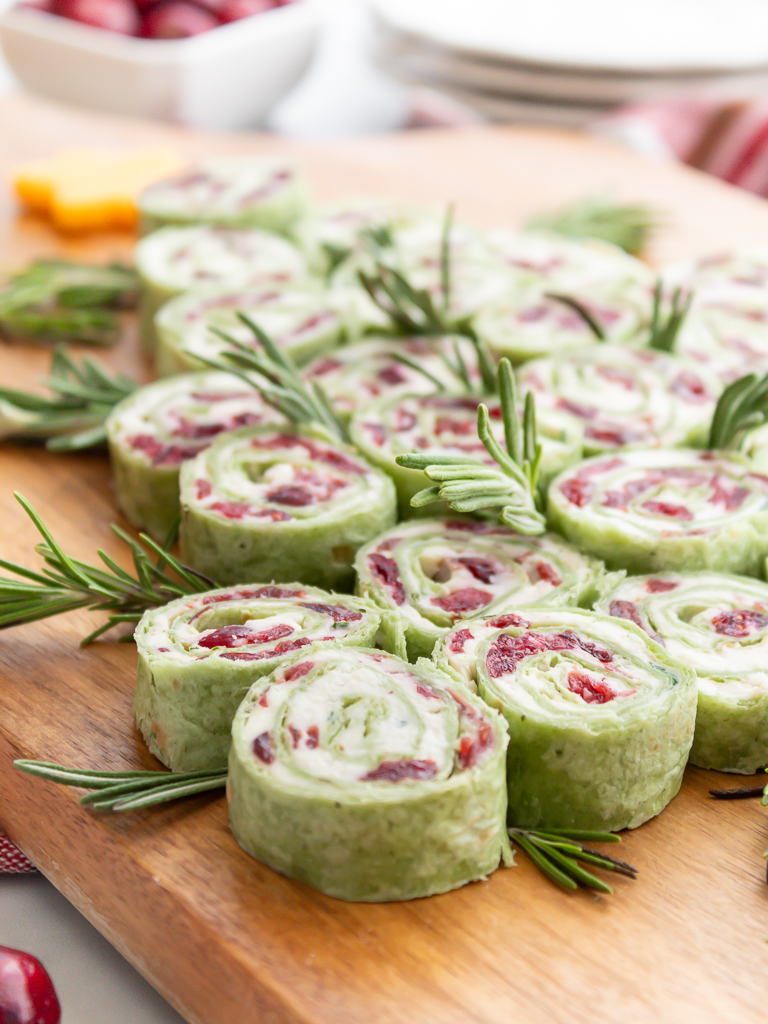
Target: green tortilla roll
<point>665,509</point>
<point>158,427</point>
<point>302,319</point>
<point>726,331</point>
<point>415,251</point>
<point>535,323</point>
<point>600,716</point>
<point>199,655</point>
<point>744,266</point>
<point>355,375</point>
<point>330,234</point>
<point>718,625</point>
<point>624,397</point>
<point>262,503</point>
<point>175,260</point>
<point>368,778</point>
<point>446,423</point>
<point>227,191</point>
<point>566,264</point>
<point>430,573</point>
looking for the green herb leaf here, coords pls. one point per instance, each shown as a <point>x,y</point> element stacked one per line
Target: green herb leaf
<point>581,309</point>
<point>559,853</point>
<point>742,406</point>
<point>469,485</point>
<point>664,328</point>
<point>66,583</point>
<point>63,300</point>
<point>73,417</point>
<point>277,380</point>
<point>628,226</point>
<point>126,791</point>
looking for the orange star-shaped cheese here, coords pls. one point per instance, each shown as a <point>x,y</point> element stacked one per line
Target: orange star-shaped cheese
<point>91,190</point>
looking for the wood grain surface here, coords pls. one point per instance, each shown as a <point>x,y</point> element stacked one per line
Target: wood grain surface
<point>225,939</point>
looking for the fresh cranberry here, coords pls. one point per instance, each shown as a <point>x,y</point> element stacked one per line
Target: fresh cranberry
<point>27,995</point>
<point>176,19</point>
<point>114,15</point>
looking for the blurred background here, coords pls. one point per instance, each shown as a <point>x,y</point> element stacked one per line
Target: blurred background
<point>675,79</point>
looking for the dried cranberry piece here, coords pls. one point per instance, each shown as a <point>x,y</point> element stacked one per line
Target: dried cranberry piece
<point>659,586</point>
<point>460,602</point>
<point>394,771</point>
<point>625,610</point>
<point>482,569</point>
<point>335,611</point>
<point>591,690</point>
<point>740,622</point>
<point>239,636</point>
<point>386,570</point>
<point>263,749</point>
<point>458,640</point>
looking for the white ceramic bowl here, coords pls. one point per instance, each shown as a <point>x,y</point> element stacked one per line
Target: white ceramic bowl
<point>227,78</point>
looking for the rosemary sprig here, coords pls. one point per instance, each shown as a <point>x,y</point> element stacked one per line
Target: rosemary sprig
<point>126,791</point>
<point>628,225</point>
<point>62,300</point>
<point>73,418</point>
<point>412,310</point>
<point>66,583</point>
<point>559,853</point>
<point>281,387</point>
<point>468,484</point>
<point>664,328</point>
<point>742,406</point>
<point>579,307</point>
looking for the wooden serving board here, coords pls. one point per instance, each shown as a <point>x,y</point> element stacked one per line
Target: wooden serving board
<point>222,937</point>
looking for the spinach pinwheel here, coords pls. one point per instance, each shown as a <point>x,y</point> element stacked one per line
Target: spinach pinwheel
<point>368,778</point>
<point>265,503</point>
<point>625,397</point>
<point>718,625</point>
<point>301,318</point>
<point>153,431</point>
<point>446,423</point>
<point>429,573</point>
<point>665,509</point>
<point>199,655</point>
<point>600,716</point>
<point>227,191</point>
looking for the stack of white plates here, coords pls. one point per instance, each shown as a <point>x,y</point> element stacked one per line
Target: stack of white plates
<point>567,63</point>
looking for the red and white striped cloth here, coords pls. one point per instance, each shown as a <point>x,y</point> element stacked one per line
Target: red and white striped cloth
<point>726,139</point>
<point>12,860</point>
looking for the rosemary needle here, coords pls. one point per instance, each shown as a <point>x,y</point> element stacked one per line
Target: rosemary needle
<point>468,485</point>
<point>73,418</point>
<point>128,790</point>
<point>742,406</point>
<point>626,225</point>
<point>560,853</point>
<point>66,583</point>
<point>63,300</point>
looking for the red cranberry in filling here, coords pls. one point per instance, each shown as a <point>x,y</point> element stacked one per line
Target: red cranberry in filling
<point>385,569</point>
<point>263,749</point>
<point>659,586</point>
<point>591,690</point>
<point>461,602</point>
<point>394,771</point>
<point>625,610</point>
<point>458,640</point>
<point>740,622</point>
